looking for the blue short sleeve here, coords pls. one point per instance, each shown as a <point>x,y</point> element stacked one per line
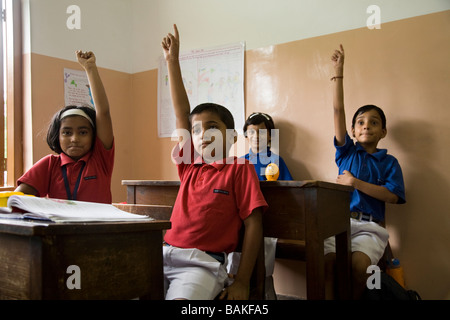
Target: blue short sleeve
<point>394,180</point>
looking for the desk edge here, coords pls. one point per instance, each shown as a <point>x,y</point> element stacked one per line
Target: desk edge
<point>281,183</point>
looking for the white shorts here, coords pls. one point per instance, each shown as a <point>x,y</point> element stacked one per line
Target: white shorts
<point>367,237</point>
<point>270,245</point>
<point>192,274</point>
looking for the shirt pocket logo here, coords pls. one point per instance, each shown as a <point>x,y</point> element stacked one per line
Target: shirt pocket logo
<point>221,191</point>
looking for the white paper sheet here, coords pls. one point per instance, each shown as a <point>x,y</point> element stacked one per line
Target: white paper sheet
<point>69,211</point>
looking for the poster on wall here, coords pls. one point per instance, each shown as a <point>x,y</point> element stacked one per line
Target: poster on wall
<point>209,75</point>
<point>76,88</point>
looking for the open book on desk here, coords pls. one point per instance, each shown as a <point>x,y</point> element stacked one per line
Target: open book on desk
<point>57,210</point>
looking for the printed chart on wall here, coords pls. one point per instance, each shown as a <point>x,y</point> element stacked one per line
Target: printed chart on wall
<point>209,75</point>
<point>76,88</point>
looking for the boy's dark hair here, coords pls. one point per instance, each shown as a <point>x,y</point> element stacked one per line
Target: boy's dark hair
<point>223,113</point>
<point>369,107</point>
<point>257,118</point>
<point>55,126</point>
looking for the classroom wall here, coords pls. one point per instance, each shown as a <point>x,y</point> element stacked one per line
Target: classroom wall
<point>401,67</point>
<point>130,30</point>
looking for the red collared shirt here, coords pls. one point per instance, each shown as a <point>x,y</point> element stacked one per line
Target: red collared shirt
<point>212,203</point>
<point>95,184</point>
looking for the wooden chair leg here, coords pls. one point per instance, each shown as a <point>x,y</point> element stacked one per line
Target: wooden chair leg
<point>258,280</point>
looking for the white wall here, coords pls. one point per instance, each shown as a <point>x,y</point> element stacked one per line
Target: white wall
<point>105,29</point>
<point>204,23</point>
<point>126,34</point>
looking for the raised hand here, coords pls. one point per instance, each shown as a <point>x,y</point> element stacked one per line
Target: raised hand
<point>85,59</point>
<point>338,60</point>
<point>340,128</point>
<point>103,117</point>
<point>180,101</point>
<point>171,45</point>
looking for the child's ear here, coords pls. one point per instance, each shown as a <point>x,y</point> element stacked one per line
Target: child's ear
<point>384,133</point>
<point>353,132</point>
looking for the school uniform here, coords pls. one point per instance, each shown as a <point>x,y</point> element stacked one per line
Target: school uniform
<point>212,202</point>
<point>367,213</point>
<point>262,159</point>
<point>88,179</point>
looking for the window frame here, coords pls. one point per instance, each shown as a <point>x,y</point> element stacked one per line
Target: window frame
<point>2,101</point>
<point>14,99</point>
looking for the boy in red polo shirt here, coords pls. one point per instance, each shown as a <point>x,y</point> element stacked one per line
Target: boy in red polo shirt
<point>83,139</point>
<point>217,194</point>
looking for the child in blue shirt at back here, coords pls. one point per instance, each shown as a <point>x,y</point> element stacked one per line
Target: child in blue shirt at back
<point>258,130</point>
<point>376,177</point>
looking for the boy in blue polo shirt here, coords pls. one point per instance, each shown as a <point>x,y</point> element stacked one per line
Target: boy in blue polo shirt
<point>376,177</point>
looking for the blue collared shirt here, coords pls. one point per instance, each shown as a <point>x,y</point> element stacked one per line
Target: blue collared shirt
<point>377,168</point>
<point>262,159</point>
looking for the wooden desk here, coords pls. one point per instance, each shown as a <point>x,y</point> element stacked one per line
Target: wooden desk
<point>303,211</point>
<point>117,260</point>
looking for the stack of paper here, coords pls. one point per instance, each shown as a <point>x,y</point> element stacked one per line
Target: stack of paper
<point>58,210</point>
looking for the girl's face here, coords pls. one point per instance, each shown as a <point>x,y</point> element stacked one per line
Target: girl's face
<point>258,137</point>
<point>75,136</point>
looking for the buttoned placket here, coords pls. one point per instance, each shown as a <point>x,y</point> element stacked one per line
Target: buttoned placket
<point>202,173</point>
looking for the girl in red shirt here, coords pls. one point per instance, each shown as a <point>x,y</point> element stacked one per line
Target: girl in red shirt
<point>83,139</point>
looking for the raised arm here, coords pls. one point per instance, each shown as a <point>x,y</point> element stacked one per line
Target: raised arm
<point>171,47</point>
<point>338,96</point>
<point>103,117</point>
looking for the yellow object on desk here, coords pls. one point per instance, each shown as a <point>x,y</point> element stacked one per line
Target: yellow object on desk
<point>4,196</point>
<point>272,172</point>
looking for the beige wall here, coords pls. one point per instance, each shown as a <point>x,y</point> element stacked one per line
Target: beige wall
<point>403,68</point>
